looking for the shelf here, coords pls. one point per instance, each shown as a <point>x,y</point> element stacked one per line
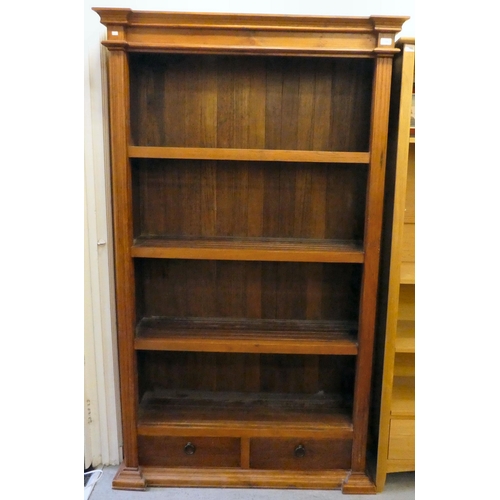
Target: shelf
<point>405,336</point>
<point>403,397</point>
<point>247,336</point>
<point>404,365</point>
<point>249,249</point>
<point>243,414</point>
<point>407,273</point>
<point>272,155</point>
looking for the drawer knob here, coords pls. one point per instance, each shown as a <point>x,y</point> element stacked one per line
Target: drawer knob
<point>299,451</point>
<point>189,449</point>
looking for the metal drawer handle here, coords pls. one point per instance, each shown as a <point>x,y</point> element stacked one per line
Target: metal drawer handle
<point>189,449</point>
<point>299,451</point>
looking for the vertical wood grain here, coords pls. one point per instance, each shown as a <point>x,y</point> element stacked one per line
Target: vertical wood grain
<point>373,227</point>
<point>123,236</point>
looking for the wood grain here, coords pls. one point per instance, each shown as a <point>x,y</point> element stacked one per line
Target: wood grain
<point>190,198</point>
<point>248,194</point>
<point>278,454</point>
<point>123,236</point>
<point>278,337</point>
<point>373,229</point>
<point>249,103</point>
<point>228,289</point>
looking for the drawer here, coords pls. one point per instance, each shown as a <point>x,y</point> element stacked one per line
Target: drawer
<point>168,451</point>
<point>300,454</point>
<point>402,439</point>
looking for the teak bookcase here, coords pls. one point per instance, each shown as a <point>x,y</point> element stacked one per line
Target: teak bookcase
<point>248,162</point>
<point>395,351</point>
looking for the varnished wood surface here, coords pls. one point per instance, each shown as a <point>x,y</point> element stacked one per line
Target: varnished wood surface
<point>244,33</point>
<point>402,439</point>
<point>239,414</point>
<point>244,478</point>
<point>405,336</point>
<point>190,198</point>
<point>168,451</point>
<point>398,308</point>
<point>123,236</point>
<point>403,397</point>
<point>270,155</point>
<point>255,249</point>
<point>253,290</point>
<point>319,454</point>
<point>256,336</point>
<point>251,103</point>
<point>358,483</point>
<point>373,231</point>
<point>225,149</point>
<point>264,374</point>
<point>407,276</point>
<point>404,364</point>
<point>129,478</point>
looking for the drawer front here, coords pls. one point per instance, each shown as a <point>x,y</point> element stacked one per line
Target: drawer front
<point>402,440</point>
<point>300,454</point>
<point>166,451</point>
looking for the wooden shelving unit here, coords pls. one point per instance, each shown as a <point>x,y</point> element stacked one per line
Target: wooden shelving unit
<point>394,417</point>
<point>248,160</point>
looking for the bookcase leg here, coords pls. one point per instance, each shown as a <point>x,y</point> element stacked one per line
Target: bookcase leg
<point>358,483</point>
<point>129,478</point>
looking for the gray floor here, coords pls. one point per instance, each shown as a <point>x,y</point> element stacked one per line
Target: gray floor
<point>399,486</point>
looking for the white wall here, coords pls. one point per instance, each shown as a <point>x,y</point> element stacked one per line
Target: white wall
<point>102,416</point>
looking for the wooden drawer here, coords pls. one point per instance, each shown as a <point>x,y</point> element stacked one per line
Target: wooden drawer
<point>189,451</point>
<point>300,454</point>
<point>402,439</point>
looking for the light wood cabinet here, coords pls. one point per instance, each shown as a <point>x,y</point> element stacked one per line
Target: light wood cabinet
<point>248,161</point>
<point>394,415</point>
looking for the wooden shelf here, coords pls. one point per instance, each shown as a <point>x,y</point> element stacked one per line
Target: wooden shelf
<point>240,414</point>
<point>405,336</point>
<point>253,249</point>
<point>272,155</point>
<point>404,365</point>
<point>403,397</point>
<point>407,273</point>
<point>250,336</point>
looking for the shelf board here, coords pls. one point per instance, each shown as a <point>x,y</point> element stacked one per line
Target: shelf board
<point>404,365</point>
<point>274,155</point>
<point>243,414</point>
<point>247,336</point>
<point>254,249</point>
<point>403,397</point>
<point>407,273</point>
<point>405,336</point>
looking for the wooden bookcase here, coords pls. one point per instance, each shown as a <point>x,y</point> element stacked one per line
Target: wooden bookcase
<point>248,161</point>
<point>395,353</point>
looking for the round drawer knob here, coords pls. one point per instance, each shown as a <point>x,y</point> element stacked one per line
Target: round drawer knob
<point>189,449</point>
<point>299,451</point>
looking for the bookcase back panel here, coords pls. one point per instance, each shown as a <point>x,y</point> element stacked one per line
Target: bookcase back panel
<point>247,373</point>
<point>183,198</point>
<point>252,290</point>
<point>297,103</point>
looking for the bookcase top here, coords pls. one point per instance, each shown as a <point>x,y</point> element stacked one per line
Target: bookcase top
<point>133,30</point>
